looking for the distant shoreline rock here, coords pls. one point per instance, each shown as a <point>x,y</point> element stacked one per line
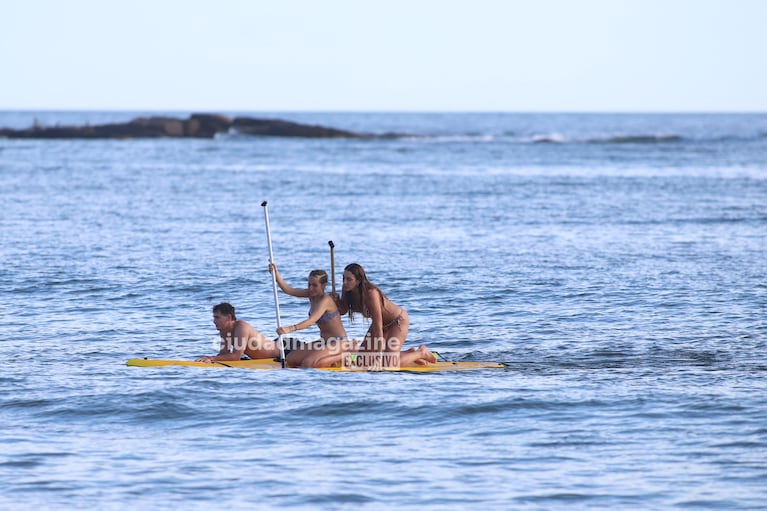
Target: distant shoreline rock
<point>196,126</point>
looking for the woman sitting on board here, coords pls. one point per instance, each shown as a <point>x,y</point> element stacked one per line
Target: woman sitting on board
<point>239,338</point>
<point>389,322</point>
<point>323,311</point>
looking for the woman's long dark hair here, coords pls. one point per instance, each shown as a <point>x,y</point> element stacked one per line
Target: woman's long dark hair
<point>356,300</point>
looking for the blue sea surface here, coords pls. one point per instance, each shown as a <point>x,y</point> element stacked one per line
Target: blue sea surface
<point>616,263</point>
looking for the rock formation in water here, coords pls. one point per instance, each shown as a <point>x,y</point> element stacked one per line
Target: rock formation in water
<point>196,126</point>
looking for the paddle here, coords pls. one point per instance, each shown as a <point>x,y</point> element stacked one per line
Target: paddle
<point>274,280</point>
<point>332,268</point>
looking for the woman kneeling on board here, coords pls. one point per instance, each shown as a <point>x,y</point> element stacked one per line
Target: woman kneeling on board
<point>323,311</point>
<point>238,338</point>
<point>389,322</point>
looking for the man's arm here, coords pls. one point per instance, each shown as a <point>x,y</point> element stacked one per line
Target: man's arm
<point>222,353</point>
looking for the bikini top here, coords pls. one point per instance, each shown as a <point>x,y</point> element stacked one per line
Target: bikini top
<point>327,317</point>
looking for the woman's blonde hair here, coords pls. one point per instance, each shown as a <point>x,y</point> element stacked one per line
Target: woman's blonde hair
<point>320,274</point>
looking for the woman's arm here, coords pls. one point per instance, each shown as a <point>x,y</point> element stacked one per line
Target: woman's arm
<point>376,318</point>
<point>327,305</point>
<point>340,304</point>
<point>287,289</point>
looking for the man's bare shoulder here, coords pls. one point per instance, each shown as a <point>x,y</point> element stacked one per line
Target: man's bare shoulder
<point>245,329</point>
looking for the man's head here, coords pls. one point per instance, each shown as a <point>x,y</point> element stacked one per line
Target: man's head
<point>223,313</point>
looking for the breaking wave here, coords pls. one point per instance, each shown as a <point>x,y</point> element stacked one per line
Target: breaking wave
<point>547,138</point>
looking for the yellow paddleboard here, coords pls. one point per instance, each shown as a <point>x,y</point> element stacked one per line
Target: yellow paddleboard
<point>268,363</point>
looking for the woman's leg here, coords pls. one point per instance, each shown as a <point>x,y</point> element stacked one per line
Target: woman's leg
<point>396,335</point>
<point>395,338</point>
<point>420,355</point>
<point>328,353</point>
<point>297,356</point>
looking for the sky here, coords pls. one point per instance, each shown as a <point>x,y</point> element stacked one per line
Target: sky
<point>385,55</point>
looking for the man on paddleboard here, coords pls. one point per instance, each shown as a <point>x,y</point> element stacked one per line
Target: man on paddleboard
<point>239,338</point>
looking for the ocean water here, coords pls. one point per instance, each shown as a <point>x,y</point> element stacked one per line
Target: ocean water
<point>615,263</point>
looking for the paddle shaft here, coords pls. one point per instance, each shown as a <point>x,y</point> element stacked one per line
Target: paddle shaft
<point>274,279</point>
<point>332,267</point>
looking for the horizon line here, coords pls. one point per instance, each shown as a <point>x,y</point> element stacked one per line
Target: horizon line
<point>387,111</point>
